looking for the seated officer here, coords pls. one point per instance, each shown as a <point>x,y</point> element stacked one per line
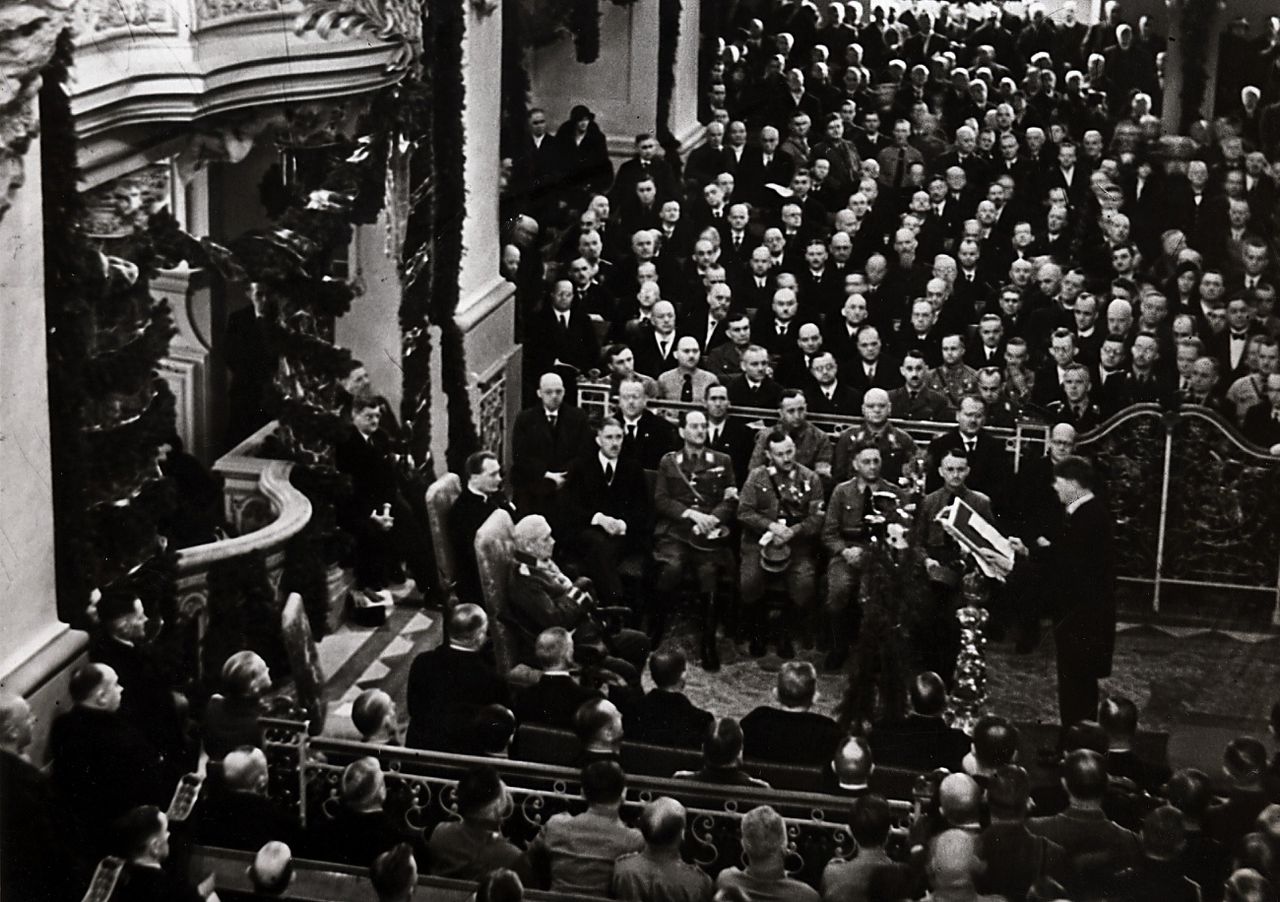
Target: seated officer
<point>781,515</point>
<point>695,498</point>
<point>846,534</point>
<point>813,445</point>
<point>540,596</point>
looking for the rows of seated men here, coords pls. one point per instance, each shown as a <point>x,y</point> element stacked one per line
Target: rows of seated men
<point>1115,826</point>
<point>1002,205</point>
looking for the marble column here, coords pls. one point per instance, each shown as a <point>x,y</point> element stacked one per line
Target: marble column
<point>36,649</point>
<point>684,103</point>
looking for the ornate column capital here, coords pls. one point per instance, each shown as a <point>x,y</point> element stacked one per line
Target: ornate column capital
<point>29,32</point>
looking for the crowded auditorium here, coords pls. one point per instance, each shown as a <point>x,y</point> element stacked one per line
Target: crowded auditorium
<point>657,450</point>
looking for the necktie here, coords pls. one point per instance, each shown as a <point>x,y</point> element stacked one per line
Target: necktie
<point>665,348</point>
<point>608,473</point>
<point>564,321</point>
<point>900,168</point>
<point>631,432</point>
<point>1186,384</point>
<point>868,501</point>
<point>686,393</point>
<point>552,421</point>
<point>715,435</point>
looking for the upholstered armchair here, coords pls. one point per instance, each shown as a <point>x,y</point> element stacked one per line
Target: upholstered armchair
<point>441,496</point>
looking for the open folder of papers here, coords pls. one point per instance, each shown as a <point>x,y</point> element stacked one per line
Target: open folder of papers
<point>974,533</point>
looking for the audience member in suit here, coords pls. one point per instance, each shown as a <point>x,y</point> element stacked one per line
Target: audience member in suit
<point>655,347</point>
<point>238,813</point>
<point>755,388</point>
<point>921,740</point>
<point>1244,762</point>
<point>791,733</point>
<point>722,757</point>
<point>1015,857</point>
<point>990,470</point>
<point>363,828</point>
<point>41,856</point>
<point>1143,382</point>
<point>729,435</point>
<point>1156,875</point>
<point>764,840</point>
<point>1230,345</point>
<point>646,164</point>
<point>556,697</point>
<point>725,360</point>
<point>481,496</point>
<point>1261,424</point>
<point>474,846</point>
<point>776,327</point>
<point>149,704</point>
<point>872,366</point>
<point>387,528</point>
<point>102,765</point>
<point>141,837</point>
<point>827,394</point>
<point>544,439</point>
<point>562,339</point>
<point>606,510</point>
<point>850,769</point>
<point>251,363</point>
<point>664,715</point>
<point>451,682</point>
<point>1204,860</point>
<point>645,435</point>
<point>1119,717</point>
<point>870,820</point>
<point>1096,846</point>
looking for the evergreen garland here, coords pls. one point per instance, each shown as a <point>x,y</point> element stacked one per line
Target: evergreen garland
<point>669,13</point>
<point>1196,26</point>
<point>109,408</point>
<point>584,22</point>
<point>515,77</point>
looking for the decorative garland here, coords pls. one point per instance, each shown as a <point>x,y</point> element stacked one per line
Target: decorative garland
<point>1194,28</point>
<point>109,409</point>
<point>516,84</point>
<point>584,22</point>
<point>669,13</point>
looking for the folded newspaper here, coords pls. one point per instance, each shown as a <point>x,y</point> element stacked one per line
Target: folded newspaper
<point>974,533</point>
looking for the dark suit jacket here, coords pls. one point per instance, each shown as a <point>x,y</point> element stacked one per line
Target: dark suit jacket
<point>466,517</point>
<point>663,717</point>
<point>446,688</point>
<point>655,436</point>
<point>888,374</point>
<point>649,359</point>
<point>552,701</point>
<point>357,839</point>
<point>768,394</point>
<point>844,400</point>
<point>252,365</point>
<point>990,470</point>
<point>1081,584</point>
<point>627,498</point>
<point>535,602</point>
<point>1122,390</point>
<point>1260,427</point>
<point>736,440</point>
<point>42,860</point>
<point>242,820</point>
<point>919,743</point>
<point>147,703</point>
<point>373,477</point>
<point>146,884</point>
<point>789,737</point>
<point>547,341</point>
<point>535,452</point>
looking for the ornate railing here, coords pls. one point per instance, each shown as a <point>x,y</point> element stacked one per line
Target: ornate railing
<point>1197,506</point>
<point>306,773</point>
<point>266,511</point>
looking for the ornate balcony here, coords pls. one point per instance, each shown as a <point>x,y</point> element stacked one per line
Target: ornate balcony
<point>145,62</point>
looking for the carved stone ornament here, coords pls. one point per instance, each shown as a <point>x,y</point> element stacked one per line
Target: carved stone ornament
<point>96,20</point>
<point>29,31</point>
<point>117,208</point>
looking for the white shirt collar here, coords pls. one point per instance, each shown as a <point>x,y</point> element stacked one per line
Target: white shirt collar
<point>606,462</point>
<point>1076,505</point>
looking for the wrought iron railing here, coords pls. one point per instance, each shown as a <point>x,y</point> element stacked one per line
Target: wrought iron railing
<point>306,773</point>
<point>1197,506</point>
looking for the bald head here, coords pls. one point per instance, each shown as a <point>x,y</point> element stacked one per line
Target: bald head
<point>272,868</point>
<point>15,723</point>
<point>960,798</point>
<point>245,770</point>
<point>876,396</point>
<point>529,532</point>
<point>952,858</point>
<point>852,762</point>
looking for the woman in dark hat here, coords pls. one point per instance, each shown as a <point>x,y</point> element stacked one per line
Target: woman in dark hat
<point>583,158</point>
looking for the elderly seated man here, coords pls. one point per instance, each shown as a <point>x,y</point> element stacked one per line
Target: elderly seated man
<point>764,839</point>
<point>540,596</point>
<point>659,872</point>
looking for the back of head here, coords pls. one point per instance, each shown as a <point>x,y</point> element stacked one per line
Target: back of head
<point>363,786</point>
<point>603,783</point>
<point>553,648</point>
<point>595,720</point>
<point>1244,759</point>
<point>928,694</point>
<point>240,672</point>
<point>995,742</point>
<point>135,829</point>
<point>394,873</point>
<point>667,667</point>
<point>272,869</point>
<point>493,727</point>
<point>870,819</point>
<point>245,770</point>
<point>1085,734</point>
<point>85,681</point>
<point>722,746</point>
<point>960,799</point>
<point>1084,773</point>
<point>1247,885</point>
<point>1118,717</point>
<point>1190,791</point>
<point>952,857</point>
<point>370,711</point>
<point>852,762</point>
<point>478,789</point>
<point>501,885</point>
<point>663,822</point>
<point>467,623</point>
<point>1008,792</point>
<point>1163,835</point>
<point>764,834</point>
<point>797,683</point>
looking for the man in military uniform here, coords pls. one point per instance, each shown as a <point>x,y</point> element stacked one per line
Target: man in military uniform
<point>1074,406</point>
<point>813,445</point>
<point>846,534</point>
<point>1002,413</point>
<point>695,497</point>
<point>915,400</point>
<point>939,641</point>
<point>954,378</point>
<point>898,450</point>
<point>781,516</point>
